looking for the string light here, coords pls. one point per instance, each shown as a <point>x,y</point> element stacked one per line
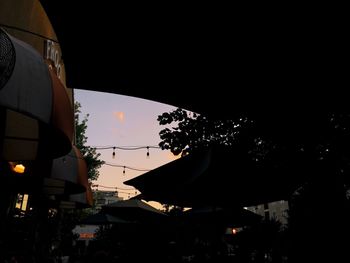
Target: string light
<point>127,167</point>
<point>114,165</point>
<point>130,148</point>
<point>113,154</point>
<point>114,187</point>
<point>127,148</point>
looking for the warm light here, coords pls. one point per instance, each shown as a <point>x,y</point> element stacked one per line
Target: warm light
<point>24,202</point>
<point>86,235</point>
<point>17,168</point>
<point>234,231</point>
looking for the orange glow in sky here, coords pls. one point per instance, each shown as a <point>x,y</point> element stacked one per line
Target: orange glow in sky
<point>119,115</point>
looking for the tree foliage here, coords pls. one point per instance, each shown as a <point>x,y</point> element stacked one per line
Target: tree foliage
<point>195,131</point>
<point>90,155</point>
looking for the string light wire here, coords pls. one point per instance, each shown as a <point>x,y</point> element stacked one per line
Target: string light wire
<point>135,192</point>
<point>126,148</point>
<point>127,167</point>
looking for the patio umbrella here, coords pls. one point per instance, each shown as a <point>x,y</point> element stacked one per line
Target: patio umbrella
<point>229,217</point>
<point>103,219</point>
<point>134,209</point>
<point>219,176</point>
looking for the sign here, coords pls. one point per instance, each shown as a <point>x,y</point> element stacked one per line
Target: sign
<point>52,53</point>
<point>86,235</point>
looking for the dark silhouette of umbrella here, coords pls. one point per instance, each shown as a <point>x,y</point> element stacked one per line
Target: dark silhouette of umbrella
<point>221,177</point>
<point>103,219</point>
<point>133,209</point>
<point>229,217</point>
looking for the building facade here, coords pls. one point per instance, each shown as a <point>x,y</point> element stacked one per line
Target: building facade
<point>277,210</point>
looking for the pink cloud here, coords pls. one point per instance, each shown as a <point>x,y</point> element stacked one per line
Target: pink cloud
<point>119,115</point>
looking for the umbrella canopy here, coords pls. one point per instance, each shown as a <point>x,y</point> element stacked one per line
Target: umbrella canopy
<point>229,217</point>
<point>103,219</point>
<point>133,209</point>
<point>219,176</point>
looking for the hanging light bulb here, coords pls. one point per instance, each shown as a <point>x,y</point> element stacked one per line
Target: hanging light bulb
<point>124,170</point>
<point>147,152</point>
<point>113,153</point>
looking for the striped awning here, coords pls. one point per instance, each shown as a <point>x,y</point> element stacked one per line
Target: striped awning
<point>36,114</point>
<point>81,200</point>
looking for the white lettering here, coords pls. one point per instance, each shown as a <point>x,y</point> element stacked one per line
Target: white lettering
<point>52,53</point>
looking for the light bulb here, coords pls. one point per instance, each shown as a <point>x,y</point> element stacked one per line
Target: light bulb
<point>113,154</point>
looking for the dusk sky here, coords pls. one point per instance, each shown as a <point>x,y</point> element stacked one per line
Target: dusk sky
<point>116,120</point>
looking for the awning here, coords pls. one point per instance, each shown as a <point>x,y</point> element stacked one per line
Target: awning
<point>36,115</point>
<point>70,170</point>
<point>79,200</point>
<point>59,178</point>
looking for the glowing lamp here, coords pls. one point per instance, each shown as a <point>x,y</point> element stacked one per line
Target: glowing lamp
<point>19,168</point>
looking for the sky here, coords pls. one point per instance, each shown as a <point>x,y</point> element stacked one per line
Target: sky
<point>123,121</point>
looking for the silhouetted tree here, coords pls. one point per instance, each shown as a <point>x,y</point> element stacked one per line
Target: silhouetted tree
<point>173,210</point>
<point>89,153</point>
<point>194,131</point>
